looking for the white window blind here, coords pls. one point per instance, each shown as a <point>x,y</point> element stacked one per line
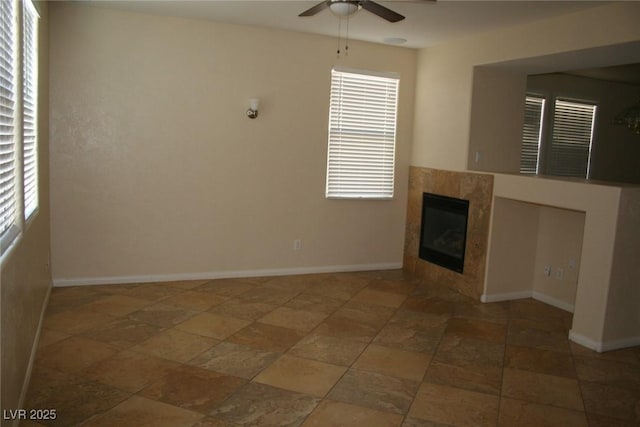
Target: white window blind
<point>531,134</point>
<point>29,110</point>
<point>8,100</point>
<point>362,134</point>
<point>572,137</point>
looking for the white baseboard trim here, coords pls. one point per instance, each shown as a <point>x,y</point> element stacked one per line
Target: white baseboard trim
<point>553,301</point>
<point>601,346</point>
<point>32,357</point>
<point>507,296</point>
<point>210,275</point>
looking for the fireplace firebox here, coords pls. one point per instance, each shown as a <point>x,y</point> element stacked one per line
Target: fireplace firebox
<point>443,233</point>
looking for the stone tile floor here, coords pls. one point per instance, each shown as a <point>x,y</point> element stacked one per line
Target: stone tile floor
<point>351,349</point>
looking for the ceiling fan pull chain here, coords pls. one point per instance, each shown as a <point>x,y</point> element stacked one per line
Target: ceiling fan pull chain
<point>346,43</point>
<point>339,31</point>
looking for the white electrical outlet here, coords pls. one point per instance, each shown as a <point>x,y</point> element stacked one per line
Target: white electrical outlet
<point>547,270</point>
<point>297,245</point>
<point>559,273</point>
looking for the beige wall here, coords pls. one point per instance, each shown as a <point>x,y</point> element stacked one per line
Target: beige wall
<point>606,299</point>
<point>158,173</point>
<point>615,154</point>
<point>447,102</point>
<point>25,274</point>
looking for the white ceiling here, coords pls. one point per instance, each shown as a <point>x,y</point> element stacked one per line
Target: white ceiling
<point>427,23</point>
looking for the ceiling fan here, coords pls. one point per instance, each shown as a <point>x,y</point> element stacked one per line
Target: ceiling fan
<point>349,7</point>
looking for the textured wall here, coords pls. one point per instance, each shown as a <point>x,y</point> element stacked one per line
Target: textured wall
<point>26,277</point>
<point>157,172</point>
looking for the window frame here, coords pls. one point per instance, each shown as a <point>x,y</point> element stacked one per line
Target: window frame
<point>361,157</point>
<point>23,11</point>
<point>548,121</point>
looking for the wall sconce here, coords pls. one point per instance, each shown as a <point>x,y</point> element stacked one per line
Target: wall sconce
<point>252,112</point>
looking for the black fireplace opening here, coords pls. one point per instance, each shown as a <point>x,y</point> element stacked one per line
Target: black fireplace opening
<point>443,233</point>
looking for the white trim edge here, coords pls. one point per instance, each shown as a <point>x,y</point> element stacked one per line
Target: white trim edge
<point>505,296</point>
<point>61,282</point>
<point>600,346</point>
<point>527,294</point>
<point>553,301</point>
<point>32,357</point>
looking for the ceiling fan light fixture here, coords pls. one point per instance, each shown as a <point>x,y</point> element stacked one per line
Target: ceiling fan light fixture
<point>344,8</point>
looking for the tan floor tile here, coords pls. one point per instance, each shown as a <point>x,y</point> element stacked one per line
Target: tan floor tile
<point>535,310</point>
<point>340,327</point>
<point>301,375</point>
<point>75,354</point>
<point>610,372</point>
<point>625,355</point>
<point>541,388</point>
<point>76,321</point>
<point>466,351</point>
<point>139,411</point>
<point>162,315</point>
<point>537,334</point>
<point>235,359</point>
<point>596,420</point>
<point>300,320</point>
<point>413,331</point>
<point>214,422</point>
<point>73,398</point>
<point>611,401</point>
<point>375,391</point>
<point>262,405</point>
<point>151,291</point>
<point>122,332</point>
<point>116,305</point>
<point>477,329</point>
<point>227,287</point>
<point>316,303</point>
<point>454,406</point>
<point>193,388</point>
<point>539,360</point>
<point>291,283</point>
<point>373,296</point>
<point>401,287</point>
<point>469,376</point>
<point>213,325</point>
<point>174,344</point>
<point>267,337</point>
<point>267,295</point>
<point>242,309</point>
<point>186,284</point>
<point>195,301</point>
<point>497,312</point>
<point>336,414</point>
<point>66,298</point>
<point>517,413</point>
<point>49,336</point>
<point>129,371</point>
<point>334,350</point>
<point>393,362</point>
<point>431,305</point>
<point>336,288</point>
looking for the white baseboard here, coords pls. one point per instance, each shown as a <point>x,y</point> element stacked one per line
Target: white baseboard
<point>601,346</point>
<point>32,357</point>
<point>553,301</point>
<point>507,296</point>
<point>61,282</point>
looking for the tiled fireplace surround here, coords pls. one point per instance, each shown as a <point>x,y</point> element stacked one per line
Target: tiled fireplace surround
<point>478,189</point>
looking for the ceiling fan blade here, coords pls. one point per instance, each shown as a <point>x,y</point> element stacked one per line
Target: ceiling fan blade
<point>381,11</point>
<point>315,9</point>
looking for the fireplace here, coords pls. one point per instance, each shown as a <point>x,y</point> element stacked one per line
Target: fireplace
<point>443,233</point>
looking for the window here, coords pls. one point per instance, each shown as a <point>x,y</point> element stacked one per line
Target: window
<point>531,134</point>
<point>18,119</point>
<point>362,135</point>
<point>572,138</point>
<point>564,150</point>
